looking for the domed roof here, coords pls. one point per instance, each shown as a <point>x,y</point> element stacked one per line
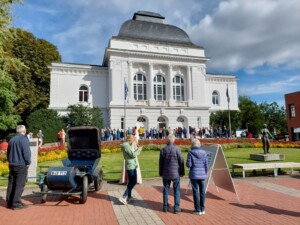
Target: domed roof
<point>150,26</point>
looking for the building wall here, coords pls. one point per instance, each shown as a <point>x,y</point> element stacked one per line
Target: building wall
<point>293,122</point>
<point>123,59</point>
<point>66,80</point>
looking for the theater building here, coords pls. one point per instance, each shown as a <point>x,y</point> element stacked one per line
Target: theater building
<point>162,72</point>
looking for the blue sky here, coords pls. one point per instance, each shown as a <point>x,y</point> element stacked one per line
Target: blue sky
<point>257,40</point>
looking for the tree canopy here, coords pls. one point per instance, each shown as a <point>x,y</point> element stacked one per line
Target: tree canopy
<point>8,119</point>
<point>252,116</point>
<point>33,81</point>
<point>80,115</point>
<point>46,120</point>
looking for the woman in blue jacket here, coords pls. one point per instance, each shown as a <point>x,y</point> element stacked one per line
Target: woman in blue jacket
<point>197,162</point>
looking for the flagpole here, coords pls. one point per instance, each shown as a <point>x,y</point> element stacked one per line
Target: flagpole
<point>229,120</point>
<point>125,97</point>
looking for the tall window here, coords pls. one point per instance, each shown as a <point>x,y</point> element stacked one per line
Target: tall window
<point>83,93</point>
<point>178,89</point>
<point>139,87</point>
<point>292,111</point>
<point>215,98</point>
<point>159,88</point>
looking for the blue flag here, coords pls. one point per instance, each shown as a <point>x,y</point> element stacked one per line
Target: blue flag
<point>227,95</point>
<point>125,91</point>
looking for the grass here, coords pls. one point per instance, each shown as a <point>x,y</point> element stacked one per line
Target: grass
<point>112,162</point>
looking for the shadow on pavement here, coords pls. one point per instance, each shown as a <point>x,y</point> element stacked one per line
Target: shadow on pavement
<point>268,209</point>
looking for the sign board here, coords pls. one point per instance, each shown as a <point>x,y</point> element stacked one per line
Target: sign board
<point>218,168</point>
<point>34,158</point>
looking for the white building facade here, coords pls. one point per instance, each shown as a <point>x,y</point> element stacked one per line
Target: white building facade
<point>165,74</point>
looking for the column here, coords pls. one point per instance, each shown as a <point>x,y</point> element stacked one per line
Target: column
<point>170,87</point>
<point>189,86</point>
<point>130,83</point>
<point>150,87</point>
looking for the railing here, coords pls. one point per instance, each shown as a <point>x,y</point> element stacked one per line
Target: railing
<point>142,102</point>
<point>183,103</point>
<point>162,103</point>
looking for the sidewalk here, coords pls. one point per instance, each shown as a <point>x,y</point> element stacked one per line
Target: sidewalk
<point>263,200</point>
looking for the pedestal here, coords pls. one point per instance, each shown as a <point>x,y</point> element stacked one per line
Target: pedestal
<point>34,156</point>
<point>267,157</point>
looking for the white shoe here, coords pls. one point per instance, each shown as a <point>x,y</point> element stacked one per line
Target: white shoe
<point>123,200</point>
<point>203,213</point>
<point>196,212</point>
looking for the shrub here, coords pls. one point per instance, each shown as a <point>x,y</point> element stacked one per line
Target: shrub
<point>4,169</point>
<point>46,120</point>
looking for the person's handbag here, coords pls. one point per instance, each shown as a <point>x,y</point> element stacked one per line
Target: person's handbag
<point>181,169</point>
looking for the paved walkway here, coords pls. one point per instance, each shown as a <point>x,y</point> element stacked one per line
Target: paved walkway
<point>263,200</point>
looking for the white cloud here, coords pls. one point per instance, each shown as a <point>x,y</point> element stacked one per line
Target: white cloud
<point>248,34</point>
<point>278,86</point>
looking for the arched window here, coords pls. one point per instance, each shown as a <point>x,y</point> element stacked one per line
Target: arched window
<point>141,119</point>
<point>178,89</point>
<point>159,88</point>
<point>215,98</point>
<point>83,93</point>
<point>139,87</point>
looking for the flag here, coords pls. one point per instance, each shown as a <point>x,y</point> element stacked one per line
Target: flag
<point>227,95</point>
<point>125,91</point>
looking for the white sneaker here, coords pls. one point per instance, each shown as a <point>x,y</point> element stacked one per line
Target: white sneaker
<point>203,213</point>
<point>123,200</point>
<point>196,212</point>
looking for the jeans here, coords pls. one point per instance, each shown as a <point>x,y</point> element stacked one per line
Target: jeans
<point>16,182</point>
<point>176,187</point>
<point>198,194</point>
<point>132,177</point>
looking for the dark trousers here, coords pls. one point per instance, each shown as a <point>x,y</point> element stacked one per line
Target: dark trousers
<point>198,194</point>
<point>132,177</point>
<point>16,183</point>
<point>176,187</point>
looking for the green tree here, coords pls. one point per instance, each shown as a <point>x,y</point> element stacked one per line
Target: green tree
<point>33,81</point>
<point>8,120</point>
<point>221,119</point>
<point>7,86</point>
<point>46,120</point>
<point>251,116</point>
<point>80,115</point>
<point>274,116</point>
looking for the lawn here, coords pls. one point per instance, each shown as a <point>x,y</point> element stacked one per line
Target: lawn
<point>112,162</point>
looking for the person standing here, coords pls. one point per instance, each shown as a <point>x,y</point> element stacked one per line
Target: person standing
<point>130,152</point>
<point>197,162</point>
<point>170,161</point>
<point>40,136</point>
<point>19,159</point>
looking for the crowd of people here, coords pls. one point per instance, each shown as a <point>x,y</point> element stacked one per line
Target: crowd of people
<point>112,134</point>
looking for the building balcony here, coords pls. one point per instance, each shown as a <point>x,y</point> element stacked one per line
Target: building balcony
<point>181,104</point>
<point>162,103</point>
<point>142,102</point>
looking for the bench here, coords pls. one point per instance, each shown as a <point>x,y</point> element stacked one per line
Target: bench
<point>275,166</point>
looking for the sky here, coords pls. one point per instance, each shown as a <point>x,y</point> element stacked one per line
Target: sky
<point>256,40</point>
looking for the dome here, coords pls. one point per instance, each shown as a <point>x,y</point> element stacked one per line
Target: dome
<point>149,26</point>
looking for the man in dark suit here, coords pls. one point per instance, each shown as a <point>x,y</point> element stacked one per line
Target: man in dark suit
<point>19,159</point>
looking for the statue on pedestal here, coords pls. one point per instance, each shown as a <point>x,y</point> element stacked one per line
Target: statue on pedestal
<point>265,138</point>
